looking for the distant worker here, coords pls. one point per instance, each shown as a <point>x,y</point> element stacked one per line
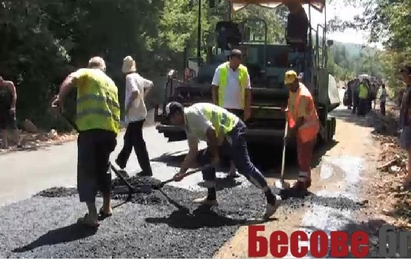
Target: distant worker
<point>363,98</point>
<point>297,24</point>
<point>98,123</point>
<point>383,99</point>
<point>231,89</point>
<point>137,88</point>
<point>218,127</point>
<point>8,100</point>
<point>355,98</point>
<point>303,126</point>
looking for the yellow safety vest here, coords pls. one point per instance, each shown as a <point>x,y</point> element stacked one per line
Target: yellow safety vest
<point>97,102</point>
<point>222,120</point>
<point>242,78</point>
<point>363,92</point>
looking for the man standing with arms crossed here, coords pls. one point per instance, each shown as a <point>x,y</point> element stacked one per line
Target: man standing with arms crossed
<point>98,123</point>
<point>8,99</point>
<point>231,89</point>
<point>303,126</point>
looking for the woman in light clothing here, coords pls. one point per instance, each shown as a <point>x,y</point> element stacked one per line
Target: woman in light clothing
<point>137,88</point>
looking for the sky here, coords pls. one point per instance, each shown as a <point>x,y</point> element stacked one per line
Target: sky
<point>345,13</point>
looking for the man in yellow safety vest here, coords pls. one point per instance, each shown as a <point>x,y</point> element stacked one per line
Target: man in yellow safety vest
<point>363,97</point>
<point>231,89</point>
<point>218,127</point>
<point>98,123</point>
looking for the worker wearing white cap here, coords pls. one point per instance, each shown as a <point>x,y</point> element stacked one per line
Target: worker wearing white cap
<point>137,88</point>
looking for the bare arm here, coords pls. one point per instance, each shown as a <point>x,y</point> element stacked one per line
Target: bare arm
<point>67,85</point>
<point>148,85</point>
<point>214,92</point>
<point>214,86</point>
<point>14,94</point>
<point>191,156</point>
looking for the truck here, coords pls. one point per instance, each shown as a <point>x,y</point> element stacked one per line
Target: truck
<point>267,64</point>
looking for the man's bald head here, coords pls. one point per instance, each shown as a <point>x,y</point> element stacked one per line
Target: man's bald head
<point>97,63</point>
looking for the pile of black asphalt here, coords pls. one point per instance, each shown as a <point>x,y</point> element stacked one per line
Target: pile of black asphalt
<point>163,223</point>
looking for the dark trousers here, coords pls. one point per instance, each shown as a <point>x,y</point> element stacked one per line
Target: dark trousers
<point>382,107</point>
<point>355,105</point>
<point>226,154</point>
<point>239,153</point>
<point>93,152</point>
<point>7,120</point>
<point>133,138</point>
<point>362,107</point>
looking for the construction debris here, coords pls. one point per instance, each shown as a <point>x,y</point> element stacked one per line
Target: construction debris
<point>392,166</point>
<point>38,139</point>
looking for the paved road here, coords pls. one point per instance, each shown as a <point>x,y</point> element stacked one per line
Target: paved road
<point>167,227</point>
<point>28,172</point>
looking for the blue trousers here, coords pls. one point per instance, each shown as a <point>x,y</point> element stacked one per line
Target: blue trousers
<point>236,145</point>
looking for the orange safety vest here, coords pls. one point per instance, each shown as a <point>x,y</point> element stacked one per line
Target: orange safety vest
<point>309,130</point>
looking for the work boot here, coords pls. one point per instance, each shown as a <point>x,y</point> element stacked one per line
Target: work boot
<point>206,201</point>
<point>301,186</point>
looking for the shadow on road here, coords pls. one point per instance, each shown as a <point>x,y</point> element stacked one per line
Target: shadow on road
<point>199,218</point>
<point>223,183</point>
<point>346,115</point>
<point>58,236</point>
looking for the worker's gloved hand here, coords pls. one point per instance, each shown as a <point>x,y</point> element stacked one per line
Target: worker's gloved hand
<point>178,177</point>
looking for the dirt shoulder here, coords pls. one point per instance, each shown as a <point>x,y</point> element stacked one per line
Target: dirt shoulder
<point>353,148</point>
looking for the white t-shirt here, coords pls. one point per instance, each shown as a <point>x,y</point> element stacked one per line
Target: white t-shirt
<point>197,124</point>
<point>138,110</point>
<point>233,90</point>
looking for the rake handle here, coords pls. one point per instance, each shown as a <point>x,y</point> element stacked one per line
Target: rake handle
<point>284,149</point>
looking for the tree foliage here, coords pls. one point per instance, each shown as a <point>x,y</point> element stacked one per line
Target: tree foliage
<point>43,40</point>
<point>387,22</point>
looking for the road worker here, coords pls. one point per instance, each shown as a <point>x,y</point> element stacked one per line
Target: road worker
<point>98,123</point>
<point>303,126</point>
<point>231,89</point>
<point>137,88</point>
<point>363,98</point>
<point>218,127</point>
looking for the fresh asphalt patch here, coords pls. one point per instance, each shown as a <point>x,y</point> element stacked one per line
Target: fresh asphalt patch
<point>163,223</point>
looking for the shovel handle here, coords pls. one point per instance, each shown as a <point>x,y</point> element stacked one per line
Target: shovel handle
<point>188,173</point>
<point>284,149</point>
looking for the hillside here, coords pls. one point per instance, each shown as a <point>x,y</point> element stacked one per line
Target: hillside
<point>347,60</point>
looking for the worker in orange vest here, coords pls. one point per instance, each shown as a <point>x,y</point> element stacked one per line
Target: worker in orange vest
<point>303,126</point>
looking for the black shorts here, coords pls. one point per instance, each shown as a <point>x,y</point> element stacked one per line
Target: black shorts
<point>238,112</point>
<point>7,120</point>
<point>93,152</point>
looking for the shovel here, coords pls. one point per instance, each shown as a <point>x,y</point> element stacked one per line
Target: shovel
<point>160,185</point>
<point>281,184</point>
<point>122,174</point>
